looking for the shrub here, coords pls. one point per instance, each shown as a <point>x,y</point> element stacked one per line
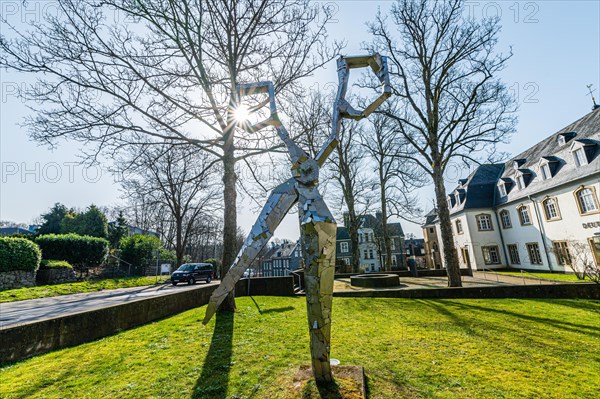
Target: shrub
<point>139,249</point>
<point>19,254</point>
<point>55,264</point>
<point>80,251</point>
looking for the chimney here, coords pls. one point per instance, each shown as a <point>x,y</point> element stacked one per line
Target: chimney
<point>379,216</point>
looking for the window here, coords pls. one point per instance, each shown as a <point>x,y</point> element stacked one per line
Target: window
<point>484,222</point>
<point>435,246</point>
<point>505,219</point>
<point>366,254</point>
<point>562,253</point>
<point>344,247</point>
<point>502,189</point>
<point>371,254</point>
<point>490,255</point>
<point>524,215</point>
<point>579,155</point>
<point>586,200</point>
<point>431,230</point>
<point>551,209</point>
<point>521,182</point>
<point>545,168</point>
<point>535,257</point>
<point>366,237</point>
<point>513,252</point>
<point>392,244</point>
<point>561,140</point>
<point>459,228</point>
<point>347,261</point>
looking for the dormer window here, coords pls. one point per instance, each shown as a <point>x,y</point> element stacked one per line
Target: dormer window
<point>580,158</point>
<point>583,151</point>
<point>521,182</point>
<point>502,189</point>
<point>546,171</point>
<point>523,178</point>
<point>564,138</point>
<point>517,163</point>
<point>451,201</point>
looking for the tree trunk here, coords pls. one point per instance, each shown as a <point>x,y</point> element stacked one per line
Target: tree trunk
<point>178,241</point>
<point>384,227</point>
<point>353,229</point>
<point>230,221</point>
<point>450,255</point>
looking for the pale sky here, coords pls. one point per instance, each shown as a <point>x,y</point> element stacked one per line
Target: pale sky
<point>556,47</point>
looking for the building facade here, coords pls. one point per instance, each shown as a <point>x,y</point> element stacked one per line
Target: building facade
<point>538,211</point>
<point>371,247</point>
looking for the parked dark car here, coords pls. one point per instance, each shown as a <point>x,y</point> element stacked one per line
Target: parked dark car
<point>192,272</point>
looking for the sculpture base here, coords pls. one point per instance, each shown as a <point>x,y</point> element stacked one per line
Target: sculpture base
<point>348,383</point>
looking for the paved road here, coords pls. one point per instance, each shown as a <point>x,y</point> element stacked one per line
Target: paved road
<point>22,312</point>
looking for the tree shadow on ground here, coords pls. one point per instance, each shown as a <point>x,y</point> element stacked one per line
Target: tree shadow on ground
<point>571,327</point>
<point>274,310</point>
<point>443,310</point>
<point>213,381</point>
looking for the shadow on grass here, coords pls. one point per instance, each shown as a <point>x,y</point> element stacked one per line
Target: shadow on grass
<point>323,390</point>
<point>213,381</point>
<point>571,327</point>
<point>443,310</point>
<point>274,310</point>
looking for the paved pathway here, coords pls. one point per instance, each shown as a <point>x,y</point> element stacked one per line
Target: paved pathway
<point>33,310</point>
<point>479,279</point>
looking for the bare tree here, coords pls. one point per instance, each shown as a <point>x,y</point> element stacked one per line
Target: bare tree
<point>171,74</point>
<point>177,181</point>
<point>449,101</point>
<point>397,176</point>
<point>353,183</point>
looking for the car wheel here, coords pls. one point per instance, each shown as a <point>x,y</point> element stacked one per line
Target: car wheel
<point>208,280</point>
<point>174,282</point>
<point>191,281</point>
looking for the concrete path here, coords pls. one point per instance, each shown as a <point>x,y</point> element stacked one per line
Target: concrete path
<point>34,310</point>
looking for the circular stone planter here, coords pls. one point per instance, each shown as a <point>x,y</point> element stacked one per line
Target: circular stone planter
<point>375,280</point>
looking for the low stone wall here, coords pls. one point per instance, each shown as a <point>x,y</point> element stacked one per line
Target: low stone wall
<point>16,279</point>
<point>31,339</point>
<point>555,291</point>
<point>55,276</point>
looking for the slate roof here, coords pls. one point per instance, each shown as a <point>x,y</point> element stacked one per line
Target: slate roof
<point>586,131</point>
<point>342,234</point>
<point>480,188</point>
<point>370,221</point>
<point>431,217</point>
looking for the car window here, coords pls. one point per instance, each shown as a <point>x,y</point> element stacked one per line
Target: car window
<point>185,268</point>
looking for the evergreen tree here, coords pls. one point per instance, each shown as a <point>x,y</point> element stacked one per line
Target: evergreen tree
<point>117,231</point>
<point>52,219</point>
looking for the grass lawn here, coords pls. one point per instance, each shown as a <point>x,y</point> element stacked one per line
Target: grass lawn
<point>504,348</point>
<point>550,276</point>
<point>43,291</point>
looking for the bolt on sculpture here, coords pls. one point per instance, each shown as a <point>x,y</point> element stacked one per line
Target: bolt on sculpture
<point>317,225</point>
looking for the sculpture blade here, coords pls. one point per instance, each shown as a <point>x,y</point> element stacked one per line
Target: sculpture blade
<point>277,206</point>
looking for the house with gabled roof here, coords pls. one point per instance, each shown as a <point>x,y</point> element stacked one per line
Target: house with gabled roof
<point>538,211</point>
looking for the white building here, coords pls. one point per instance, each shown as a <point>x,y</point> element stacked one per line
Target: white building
<point>538,211</point>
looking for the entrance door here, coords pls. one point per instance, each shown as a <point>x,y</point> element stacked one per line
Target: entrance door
<point>466,257</point>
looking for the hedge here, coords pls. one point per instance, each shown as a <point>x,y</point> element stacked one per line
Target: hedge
<point>55,264</point>
<point>80,251</point>
<point>19,254</point>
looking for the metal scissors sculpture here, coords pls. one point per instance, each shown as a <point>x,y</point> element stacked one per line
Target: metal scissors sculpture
<point>317,225</point>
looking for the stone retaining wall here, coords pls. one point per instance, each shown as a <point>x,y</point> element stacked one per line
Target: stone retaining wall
<point>16,279</point>
<point>55,276</point>
<point>20,342</point>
